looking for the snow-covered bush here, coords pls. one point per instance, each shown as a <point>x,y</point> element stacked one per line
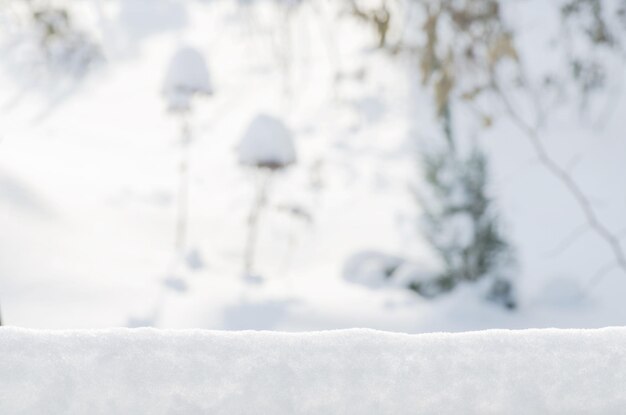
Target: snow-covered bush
<point>66,47</point>
<point>267,146</point>
<point>462,227</point>
<point>45,38</point>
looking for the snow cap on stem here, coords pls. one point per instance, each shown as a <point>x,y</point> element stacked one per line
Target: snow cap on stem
<point>267,143</point>
<point>187,76</point>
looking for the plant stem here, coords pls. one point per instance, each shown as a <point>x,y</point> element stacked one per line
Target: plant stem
<point>183,188</point>
<point>253,221</point>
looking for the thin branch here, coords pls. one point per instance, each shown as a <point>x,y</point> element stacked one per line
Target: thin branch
<point>573,163</point>
<point>568,241</point>
<point>598,276</point>
<point>260,202</point>
<point>611,240</point>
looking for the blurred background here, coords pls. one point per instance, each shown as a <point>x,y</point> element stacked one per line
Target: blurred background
<point>406,165</point>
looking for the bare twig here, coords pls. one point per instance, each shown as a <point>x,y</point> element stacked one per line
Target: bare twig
<point>531,132</point>
<point>568,240</point>
<point>599,275</point>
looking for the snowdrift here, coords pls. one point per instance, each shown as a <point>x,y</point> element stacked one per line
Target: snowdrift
<point>147,371</point>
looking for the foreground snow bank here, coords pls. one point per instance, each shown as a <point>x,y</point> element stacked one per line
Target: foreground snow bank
<point>146,371</point>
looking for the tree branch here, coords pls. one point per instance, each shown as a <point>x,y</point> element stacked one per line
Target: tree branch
<point>531,132</point>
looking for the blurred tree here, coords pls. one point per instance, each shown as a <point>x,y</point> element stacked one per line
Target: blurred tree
<point>461,224</point>
<point>467,55</point>
<point>49,32</point>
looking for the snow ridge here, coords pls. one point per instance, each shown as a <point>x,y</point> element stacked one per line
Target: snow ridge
<point>357,371</point>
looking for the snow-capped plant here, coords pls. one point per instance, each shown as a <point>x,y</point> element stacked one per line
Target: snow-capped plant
<point>267,147</point>
<point>186,79</point>
<point>267,144</point>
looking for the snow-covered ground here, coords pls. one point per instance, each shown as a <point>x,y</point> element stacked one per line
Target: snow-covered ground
<point>89,176</point>
<point>148,371</point>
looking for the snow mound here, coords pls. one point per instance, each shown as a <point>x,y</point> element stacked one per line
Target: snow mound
<point>187,75</point>
<point>146,371</point>
<point>371,269</point>
<point>377,270</point>
<point>267,143</point>
<point>142,18</point>
<point>411,272</point>
<point>562,291</point>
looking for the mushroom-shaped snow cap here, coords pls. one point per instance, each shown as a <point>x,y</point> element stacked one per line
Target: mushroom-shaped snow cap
<point>267,143</point>
<point>187,75</point>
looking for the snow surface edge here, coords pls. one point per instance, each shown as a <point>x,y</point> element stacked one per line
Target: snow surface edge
<point>161,331</point>
<point>340,372</point>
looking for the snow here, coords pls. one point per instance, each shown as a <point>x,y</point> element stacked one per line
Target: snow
<point>378,270</point>
<point>147,371</point>
<point>267,143</point>
<point>409,272</point>
<point>371,269</point>
<point>187,76</point>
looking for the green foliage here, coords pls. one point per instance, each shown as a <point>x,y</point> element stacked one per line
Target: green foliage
<point>462,227</point>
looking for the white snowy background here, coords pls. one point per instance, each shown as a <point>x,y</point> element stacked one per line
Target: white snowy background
<point>89,175</point>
